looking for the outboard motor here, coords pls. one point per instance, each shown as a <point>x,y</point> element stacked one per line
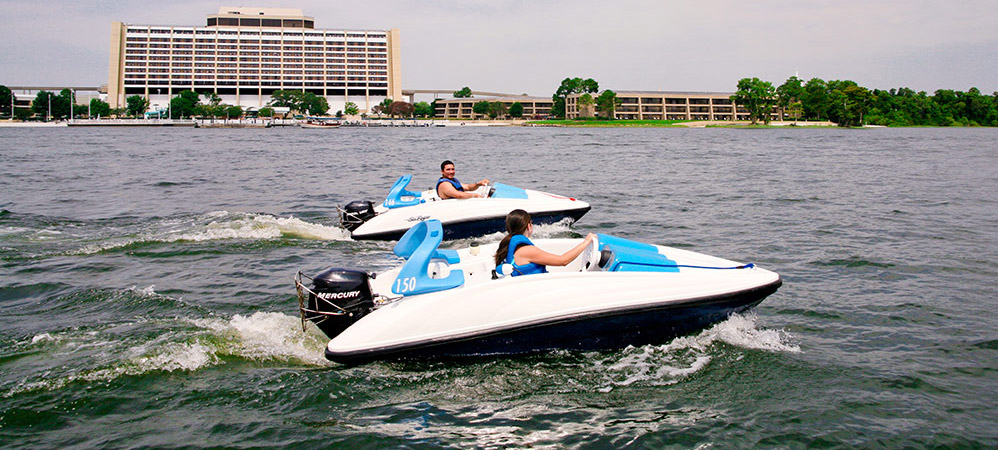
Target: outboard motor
<point>336,299</point>
<point>355,213</point>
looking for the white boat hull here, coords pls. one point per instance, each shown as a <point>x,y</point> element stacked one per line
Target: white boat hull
<point>573,307</point>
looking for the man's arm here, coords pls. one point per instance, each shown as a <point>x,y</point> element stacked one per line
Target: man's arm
<point>473,186</point>
<point>447,190</point>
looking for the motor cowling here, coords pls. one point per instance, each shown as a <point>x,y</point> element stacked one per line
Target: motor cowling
<point>355,213</point>
<point>337,298</point>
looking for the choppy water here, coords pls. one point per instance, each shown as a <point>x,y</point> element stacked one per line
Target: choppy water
<point>146,296</point>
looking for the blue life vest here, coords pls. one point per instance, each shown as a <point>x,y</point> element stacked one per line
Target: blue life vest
<point>457,184</point>
<point>527,269</point>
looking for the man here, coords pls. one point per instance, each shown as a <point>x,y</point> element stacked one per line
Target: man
<point>449,187</point>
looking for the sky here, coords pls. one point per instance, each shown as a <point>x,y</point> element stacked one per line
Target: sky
<point>528,47</point>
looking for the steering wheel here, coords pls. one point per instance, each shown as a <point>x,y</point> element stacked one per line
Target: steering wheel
<point>590,257</point>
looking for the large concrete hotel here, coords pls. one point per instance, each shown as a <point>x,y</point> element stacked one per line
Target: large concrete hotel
<point>245,54</point>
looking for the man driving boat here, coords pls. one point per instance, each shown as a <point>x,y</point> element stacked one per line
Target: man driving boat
<point>449,187</point>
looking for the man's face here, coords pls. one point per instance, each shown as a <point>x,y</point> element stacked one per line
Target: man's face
<point>448,171</point>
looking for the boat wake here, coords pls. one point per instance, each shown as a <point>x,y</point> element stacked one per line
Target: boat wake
<point>218,226</point>
<point>684,356</point>
<point>560,229</point>
<point>102,353</point>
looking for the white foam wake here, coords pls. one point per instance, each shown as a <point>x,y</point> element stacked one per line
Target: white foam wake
<point>684,356</point>
<point>223,225</point>
<point>262,336</point>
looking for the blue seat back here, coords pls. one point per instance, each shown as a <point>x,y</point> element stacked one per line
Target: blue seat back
<point>507,191</point>
<point>634,256</point>
<point>419,247</point>
<point>398,191</point>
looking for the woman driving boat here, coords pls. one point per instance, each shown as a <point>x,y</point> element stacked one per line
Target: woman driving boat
<point>525,257</point>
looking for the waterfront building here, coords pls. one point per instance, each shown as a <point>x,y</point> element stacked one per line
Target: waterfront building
<point>463,108</point>
<point>244,54</point>
<point>661,105</point>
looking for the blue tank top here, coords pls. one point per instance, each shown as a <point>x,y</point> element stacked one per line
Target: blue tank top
<point>527,269</point>
<point>457,184</point>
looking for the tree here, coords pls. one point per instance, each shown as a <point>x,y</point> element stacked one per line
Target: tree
<point>41,105</point>
<point>136,105</point>
<point>571,86</point>
<point>265,112</point>
<point>233,112</point>
<point>99,108</point>
<point>847,102</point>
<point>22,114</point>
<point>315,104</point>
<point>756,96</point>
<point>212,98</point>
<point>607,103</point>
<point>287,99</point>
<point>401,109</point>
<point>184,104</point>
<point>5,99</point>
<point>586,102</point>
<point>788,97</point>
<point>383,107</point>
<point>516,110</point>
<point>481,108</point>
<point>814,97</point>
<point>465,92</point>
<point>351,109</point>
<point>497,109</point>
<point>422,109</point>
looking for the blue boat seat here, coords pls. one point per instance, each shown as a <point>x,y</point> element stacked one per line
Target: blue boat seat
<point>398,196</point>
<point>419,247</point>
<point>634,256</point>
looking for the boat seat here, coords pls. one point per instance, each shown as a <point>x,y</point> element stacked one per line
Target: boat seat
<point>419,246</point>
<point>632,256</point>
<point>398,196</point>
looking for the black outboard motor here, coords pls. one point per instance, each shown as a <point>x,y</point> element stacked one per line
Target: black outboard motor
<point>355,213</point>
<point>336,299</point>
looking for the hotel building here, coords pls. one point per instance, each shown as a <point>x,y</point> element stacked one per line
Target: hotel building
<point>463,108</point>
<point>244,54</point>
<point>658,105</point>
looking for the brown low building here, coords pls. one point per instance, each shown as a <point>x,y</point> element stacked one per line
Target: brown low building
<point>662,105</point>
<point>463,108</point>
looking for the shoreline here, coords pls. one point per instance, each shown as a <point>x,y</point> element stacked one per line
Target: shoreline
<point>431,123</point>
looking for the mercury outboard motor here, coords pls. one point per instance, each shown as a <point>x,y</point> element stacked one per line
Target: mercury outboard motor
<point>355,213</point>
<point>336,299</point>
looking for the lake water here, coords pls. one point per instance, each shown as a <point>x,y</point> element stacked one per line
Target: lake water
<point>147,301</point>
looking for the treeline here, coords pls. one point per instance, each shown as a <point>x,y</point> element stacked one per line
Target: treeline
<point>848,104</point>
<point>190,104</point>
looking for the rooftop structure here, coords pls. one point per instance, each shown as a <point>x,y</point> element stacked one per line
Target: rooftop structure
<point>244,54</point>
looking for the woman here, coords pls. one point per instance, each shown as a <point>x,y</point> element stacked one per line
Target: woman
<point>526,258</point>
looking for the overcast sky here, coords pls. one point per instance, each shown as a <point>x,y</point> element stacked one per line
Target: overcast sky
<point>528,47</point>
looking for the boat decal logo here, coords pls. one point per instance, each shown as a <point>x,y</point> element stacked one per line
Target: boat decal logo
<point>337,295</point>
<point>417,218</point>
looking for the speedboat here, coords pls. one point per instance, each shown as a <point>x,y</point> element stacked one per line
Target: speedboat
<point>319,122</point>
<point>461,218</point>
<point>457,303</point>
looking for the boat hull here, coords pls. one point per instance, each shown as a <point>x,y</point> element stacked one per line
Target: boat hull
<point>466,228</point>
<point>604,330</point>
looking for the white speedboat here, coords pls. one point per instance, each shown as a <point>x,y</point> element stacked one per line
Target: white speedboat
<point>461,218</point>
<point>320,122</point>
<point>454,303</point>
